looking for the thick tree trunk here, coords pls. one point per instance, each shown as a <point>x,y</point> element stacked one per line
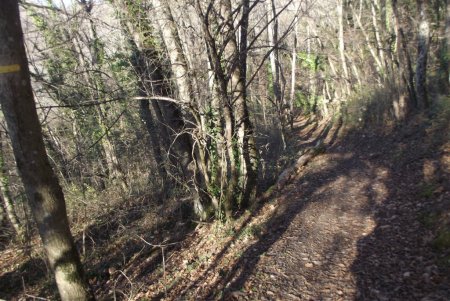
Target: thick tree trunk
<point>246,159</point>
<point>179,66</point>
<point>185,94</point>
<point>44,193</point>
<point>147,119</point>
<point>240,176</point>
<point>250,154</point>
<point>169,116</point>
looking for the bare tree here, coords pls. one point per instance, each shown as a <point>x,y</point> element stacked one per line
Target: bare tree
<point>44,193</point>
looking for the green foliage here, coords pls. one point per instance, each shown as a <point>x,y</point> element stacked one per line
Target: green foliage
<point>311,62</point>
<point>3,177</point>
<point>75,194</point>
<point>252,231</point>
<point>370,105</point>
<point>429,219</point>
<point>137,14</point>
<point>442,241</point>
<point>307,103</point>
<point>213,128</point>
<point>427,190</point>
<point>60,59</point>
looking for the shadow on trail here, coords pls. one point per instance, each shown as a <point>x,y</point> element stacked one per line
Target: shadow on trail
<point>396,260</point>
<point>280,222</point>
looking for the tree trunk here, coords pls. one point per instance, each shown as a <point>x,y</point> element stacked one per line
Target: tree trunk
<point>340,16</point>
<point>372,51</point>
<point>275,66</point>
<point>246,144</point>
<point>423,41</point>
<point>376,28</point>
<point>2,214</point>
<point>44,193</point>
<point>173,137</point>
<point>7,199</point>
<point>147,119</point>
<point>445,52</point>
<point>447,47</point>
<point>293,74</point>
<point>179,66</point>
<point>403,57</point>
<point>240,176</point>
<point>185,94</point>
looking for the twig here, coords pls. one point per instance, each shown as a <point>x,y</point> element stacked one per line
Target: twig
<point>164,271</point>
<point>35,298</point>
<point>158,245</point>
<point>162,246</point>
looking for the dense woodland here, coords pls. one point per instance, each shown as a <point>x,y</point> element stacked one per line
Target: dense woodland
<point>184,110</point>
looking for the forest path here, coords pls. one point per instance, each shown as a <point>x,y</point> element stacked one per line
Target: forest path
<point>348,226</point>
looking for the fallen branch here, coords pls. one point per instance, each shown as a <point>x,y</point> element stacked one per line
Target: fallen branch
<point>304,158</point>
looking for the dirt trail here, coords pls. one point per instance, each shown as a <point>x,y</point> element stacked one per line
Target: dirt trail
<point>348,227</point>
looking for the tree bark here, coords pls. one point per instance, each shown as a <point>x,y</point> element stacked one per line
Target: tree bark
<point>445,49</point>
<point>423,42</point>
<point>149,68</point>
<point>376,28</point>
<point>275,65</point>
<point>2,214</point>
<point>43,190</point>
<point>403,57</point>
<point>372,51</point>
<point>7,199</point>
<point>239,179</point>
<point>247,149</point>
<point>179,66</point>
<point>340,16</point>
<point>293,74</point>
<point>185,94</point>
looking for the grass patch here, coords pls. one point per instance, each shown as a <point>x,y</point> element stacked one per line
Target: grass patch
<point>251,231</point>
<point>427,190</point>
<point>442,241</point>
<point>429,220</point>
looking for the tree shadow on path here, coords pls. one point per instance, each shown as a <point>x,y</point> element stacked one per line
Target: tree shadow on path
<point>397,260</point>
<point>393,262</point>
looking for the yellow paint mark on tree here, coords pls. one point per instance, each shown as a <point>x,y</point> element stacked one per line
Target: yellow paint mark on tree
<point>10,68</point>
